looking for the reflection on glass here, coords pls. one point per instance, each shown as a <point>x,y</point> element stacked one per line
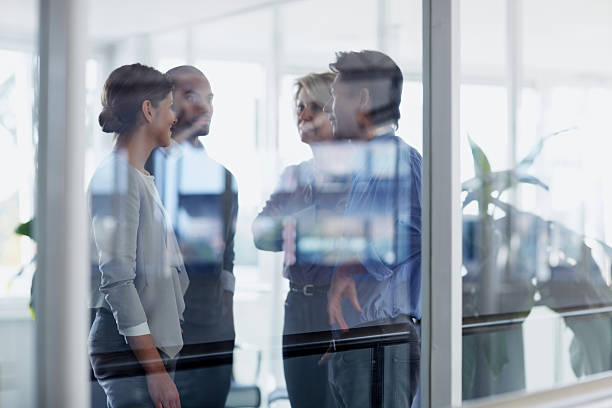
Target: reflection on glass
<point>349,222</point>
<point>18,139</point>
<point>201,199</point>
<point>537,299</point>
<point>270,45</point>
<point>138,276</point>
<point>308,195</point>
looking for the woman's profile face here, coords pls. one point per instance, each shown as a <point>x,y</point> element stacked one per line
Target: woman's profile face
<point>163,119</point>
<point>313,124</point>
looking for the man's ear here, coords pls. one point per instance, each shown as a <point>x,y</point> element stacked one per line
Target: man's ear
<point>364,99</point>
<point>147,110</point>
<point>363,114</point>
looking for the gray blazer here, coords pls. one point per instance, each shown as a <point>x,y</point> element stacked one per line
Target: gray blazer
<point>138,271</point>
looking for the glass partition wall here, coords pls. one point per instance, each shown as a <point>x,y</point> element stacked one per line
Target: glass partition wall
<point>536,246</point>
<point>18,139</point>
<point>255,325</point>
<point>237,227</point>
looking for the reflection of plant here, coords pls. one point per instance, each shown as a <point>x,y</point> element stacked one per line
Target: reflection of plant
<point>481,187</point>
<point>7,114</point>
<point>504,257</point>
<point>482,241</point>
<point>487,235</point>
<point>26,229</point>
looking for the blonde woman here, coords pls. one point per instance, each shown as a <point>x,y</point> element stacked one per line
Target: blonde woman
<point>297,196</point>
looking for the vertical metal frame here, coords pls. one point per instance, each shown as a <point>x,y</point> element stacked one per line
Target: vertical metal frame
<point>442,314</point>
<point>62,373</point>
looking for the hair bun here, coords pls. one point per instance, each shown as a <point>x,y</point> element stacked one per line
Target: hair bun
<point>109,121</point>
<point>125,89</point>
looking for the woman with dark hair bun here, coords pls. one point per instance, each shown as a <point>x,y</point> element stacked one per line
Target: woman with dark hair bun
<point>138,277</point>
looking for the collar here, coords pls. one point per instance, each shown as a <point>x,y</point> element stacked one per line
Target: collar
<point>384,130</point>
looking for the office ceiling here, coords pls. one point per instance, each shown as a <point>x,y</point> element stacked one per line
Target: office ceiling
<point>557,36</point>
<point>114,19</point>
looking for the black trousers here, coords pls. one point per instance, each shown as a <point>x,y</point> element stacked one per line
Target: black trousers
<point>350,372</point>
<point>306,379</point>
<point>204,381</point>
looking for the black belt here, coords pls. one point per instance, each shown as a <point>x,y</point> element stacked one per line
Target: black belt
<point>308,289</point>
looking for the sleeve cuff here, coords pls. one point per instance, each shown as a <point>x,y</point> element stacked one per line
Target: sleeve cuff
<point>228,280</point>
<point>138,330</point>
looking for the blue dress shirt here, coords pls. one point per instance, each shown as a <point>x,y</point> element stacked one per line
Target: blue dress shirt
<point>386,195</point>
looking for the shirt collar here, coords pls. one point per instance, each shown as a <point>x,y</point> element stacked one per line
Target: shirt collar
<point>385,130</point>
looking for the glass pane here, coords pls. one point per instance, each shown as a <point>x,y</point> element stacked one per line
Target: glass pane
<point>18,140</point>
<point>537,300</point>
<point>258,199</point>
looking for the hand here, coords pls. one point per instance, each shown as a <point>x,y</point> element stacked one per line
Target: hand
<point>162,390</point>
<point>325,358</point>
<point>342,285</point>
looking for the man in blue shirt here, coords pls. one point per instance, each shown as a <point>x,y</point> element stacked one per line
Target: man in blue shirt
<point>379,290</point>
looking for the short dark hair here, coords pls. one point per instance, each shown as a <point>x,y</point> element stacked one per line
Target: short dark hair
<point>378,73</point>
<point>125,90</point>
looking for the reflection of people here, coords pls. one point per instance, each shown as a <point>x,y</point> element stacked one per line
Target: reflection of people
<point>140,280</point>
<point>383,286</point>
<point>297,196</point>
<point>201,198</point>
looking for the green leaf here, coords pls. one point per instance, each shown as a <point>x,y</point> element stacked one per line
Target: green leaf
<point>469,198</point>
<point>526,178</point>
<point>481,163</point>
<point>486,182</point>
<point>472,185</point>
<point>497,181</point>
<point>528,160</point>
<point>7,115</point>
<point>501,181</point>
<point>27,229</point>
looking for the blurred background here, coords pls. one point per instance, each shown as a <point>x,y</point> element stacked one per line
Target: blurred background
<point>536,82</point>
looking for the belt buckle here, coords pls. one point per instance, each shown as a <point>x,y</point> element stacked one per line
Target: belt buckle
<point>305,290</point>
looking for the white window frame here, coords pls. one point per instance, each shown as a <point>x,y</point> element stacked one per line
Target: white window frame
<point>62,319</point>
<point>441,256</point>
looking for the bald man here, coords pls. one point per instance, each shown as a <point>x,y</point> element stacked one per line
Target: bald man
<point>201,198</point>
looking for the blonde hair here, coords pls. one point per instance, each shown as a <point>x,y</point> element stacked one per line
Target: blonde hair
<point>317,86</point>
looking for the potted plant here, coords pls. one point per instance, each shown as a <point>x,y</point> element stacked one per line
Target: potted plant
<point>512,261</point>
